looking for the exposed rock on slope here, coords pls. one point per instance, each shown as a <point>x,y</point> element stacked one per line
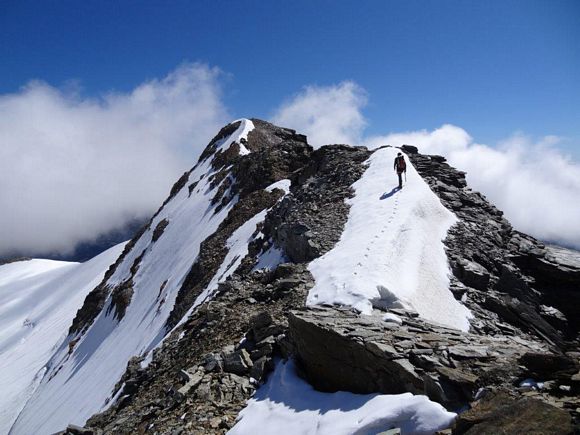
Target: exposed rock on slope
<point>223,269</point>
<point>504,275</point>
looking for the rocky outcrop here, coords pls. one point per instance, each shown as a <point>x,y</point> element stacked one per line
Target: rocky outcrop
<point>309,222</point>
<point>501,413</point>
<point>202,376</point>
<point>398,352</point>
<point>507,279</point>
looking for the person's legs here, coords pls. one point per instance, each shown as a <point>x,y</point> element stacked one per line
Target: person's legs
<point>400,174</point>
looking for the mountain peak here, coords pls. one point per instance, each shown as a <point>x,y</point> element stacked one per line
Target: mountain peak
<point>269,248</point>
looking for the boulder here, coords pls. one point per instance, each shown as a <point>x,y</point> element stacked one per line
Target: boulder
<point>546,366</point>
<point>238,362</point>
<point>499,413</point>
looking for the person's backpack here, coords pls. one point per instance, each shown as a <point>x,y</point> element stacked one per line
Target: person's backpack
<point>401,164</point>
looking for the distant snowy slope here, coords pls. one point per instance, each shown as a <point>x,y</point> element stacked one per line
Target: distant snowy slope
<point>38,300</point>
<point>391,249</point>
<point>80,382</point>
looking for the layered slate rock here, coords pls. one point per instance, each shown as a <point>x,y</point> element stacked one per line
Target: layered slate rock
<point>340,350</point>
<point>398,352</point>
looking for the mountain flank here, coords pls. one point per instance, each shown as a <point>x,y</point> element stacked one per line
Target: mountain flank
<point>215,292</point>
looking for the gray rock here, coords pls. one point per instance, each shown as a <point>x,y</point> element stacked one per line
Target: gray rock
<point>472,274</point>
<point>461,351</point>
<point>78,430</point>
<point>500,413</point>
<point>261,368</point>
<point>191,384</point>
<point>213,362</point>
<point>238,362</point>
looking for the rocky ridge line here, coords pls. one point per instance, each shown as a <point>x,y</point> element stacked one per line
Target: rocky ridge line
<point>201,377</point>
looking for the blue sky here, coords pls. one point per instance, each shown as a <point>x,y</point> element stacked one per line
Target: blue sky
<point>104,103</point>
<point>492,67</point>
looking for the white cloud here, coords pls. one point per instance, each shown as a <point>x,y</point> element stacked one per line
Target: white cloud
<point>72,167</point>
<point>532,181</point>
<point>327,114</point>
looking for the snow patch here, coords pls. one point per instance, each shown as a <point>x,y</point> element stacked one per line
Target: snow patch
<point>392,245</point>
<point>286,404</point>
<point>532,384</point>
<point>393,318</point>
<point>270,259</point>
<point>38,301</point>
<point>282,184</point>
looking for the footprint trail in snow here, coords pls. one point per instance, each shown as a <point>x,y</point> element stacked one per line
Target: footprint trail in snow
<point>392,243</point>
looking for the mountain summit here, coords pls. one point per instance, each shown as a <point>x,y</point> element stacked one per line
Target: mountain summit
<point>269,251</point>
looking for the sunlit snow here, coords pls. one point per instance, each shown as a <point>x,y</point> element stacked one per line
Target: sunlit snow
<point>287,405</point>
<point>391,249</point>
<point>79,384</point>
<point>38,300</point>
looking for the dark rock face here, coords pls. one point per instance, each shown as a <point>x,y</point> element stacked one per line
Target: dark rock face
<point>310,221</point>
<point>549,366</point>
<point>158,231</point>
<point>341,351</point>
<point>500,413</point>
<point>504,276</point>
<point>14,260</point>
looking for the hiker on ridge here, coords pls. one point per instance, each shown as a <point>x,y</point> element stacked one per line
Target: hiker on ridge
<point>400,166</point>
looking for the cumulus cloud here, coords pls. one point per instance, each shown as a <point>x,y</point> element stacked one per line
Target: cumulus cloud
<point>72,168</point>
<point>326,114</point>
<point>532,181</point>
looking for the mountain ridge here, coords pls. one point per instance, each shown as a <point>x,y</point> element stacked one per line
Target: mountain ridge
<point>233,196</point>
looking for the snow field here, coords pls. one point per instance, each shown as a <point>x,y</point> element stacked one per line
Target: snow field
<point>287,405</point>
<point>391,250</point>
<point>38,301</point>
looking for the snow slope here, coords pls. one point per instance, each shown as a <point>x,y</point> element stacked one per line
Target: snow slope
<point>391,249</point>
<point>38,300</point>
<point>101,354</point>
<point>286,404</point>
